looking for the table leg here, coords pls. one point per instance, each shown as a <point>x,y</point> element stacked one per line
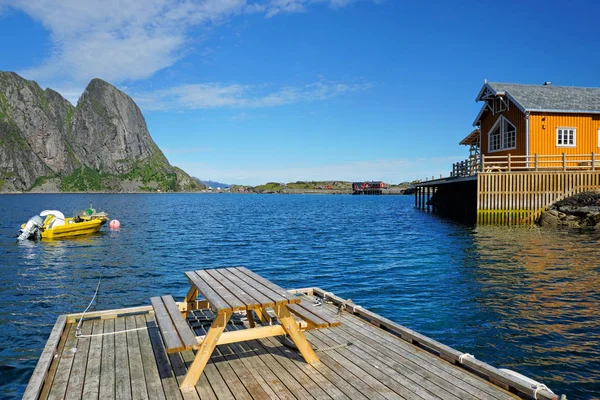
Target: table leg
<point>290,326</point>
<point>262,315</point>
<point>205,351</point>
<point>250,317</point>
<point>191,296</point>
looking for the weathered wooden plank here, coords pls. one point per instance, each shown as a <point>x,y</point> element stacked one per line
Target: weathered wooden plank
<point>75,386</point>
<point>229,297</point>
<point>136,369</point>
<point>307,316</point>
<point>239,288</point>
<point>364,372</point>
<point>373,336</point>
<point>252,388</point>
<point>327,380</point>
<point>268,284</point>
<point>36,382</point>
<point>91,385</point>
<point>217,303</point>
<point>270,382</point>
<point>311,310</point>
<point>167,328</point>
<point>273,296</point>
<point>49,381</point>
<point>398,384</point>
<point>179,370</point>
<point>107,370</point>
<point>108,314</point>
<point>122,375</point>
<point>63,371</point>
<point>153,383</point>
<point>165,373</point>
<point>423,371</point>
<point>214,379</point>
<point>184,331</point>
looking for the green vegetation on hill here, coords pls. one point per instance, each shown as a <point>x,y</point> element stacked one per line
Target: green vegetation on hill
<point>83,179</point>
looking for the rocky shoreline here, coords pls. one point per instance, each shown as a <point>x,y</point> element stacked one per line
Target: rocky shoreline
<point>579,211</point>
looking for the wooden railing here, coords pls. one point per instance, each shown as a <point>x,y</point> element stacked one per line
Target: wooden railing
<point>536,162</point>
<point>468,167</point>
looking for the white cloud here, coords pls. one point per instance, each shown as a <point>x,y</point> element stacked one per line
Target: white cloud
<point>120,40</point>
<point>216,95</point>
<point>390,170</point>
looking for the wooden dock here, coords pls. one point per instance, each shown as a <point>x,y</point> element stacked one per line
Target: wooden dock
<point>509,190</point>
<point>366,357</point>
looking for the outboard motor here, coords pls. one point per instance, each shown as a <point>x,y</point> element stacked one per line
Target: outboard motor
<point>32,229</point>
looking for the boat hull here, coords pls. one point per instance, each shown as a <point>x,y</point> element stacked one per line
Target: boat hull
<point>74,229</point>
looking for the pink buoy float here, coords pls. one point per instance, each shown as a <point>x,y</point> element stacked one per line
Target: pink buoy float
<point>114,224</point>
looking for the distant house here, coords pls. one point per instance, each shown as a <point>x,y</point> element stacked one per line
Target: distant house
<point>524,120</point>
<point>369,187</point>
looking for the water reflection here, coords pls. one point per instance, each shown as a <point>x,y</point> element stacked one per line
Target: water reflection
<point>544,287</point>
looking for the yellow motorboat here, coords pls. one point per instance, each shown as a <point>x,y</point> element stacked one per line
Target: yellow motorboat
<point>56,226</point>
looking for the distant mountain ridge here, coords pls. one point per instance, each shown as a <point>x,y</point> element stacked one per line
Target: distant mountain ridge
<point>102,144</point>
<point>213,184</point>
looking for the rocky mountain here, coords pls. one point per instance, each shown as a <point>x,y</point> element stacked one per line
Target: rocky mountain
<point>101,144</point>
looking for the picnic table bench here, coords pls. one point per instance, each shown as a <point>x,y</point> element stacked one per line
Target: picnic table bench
<point>225,291</point>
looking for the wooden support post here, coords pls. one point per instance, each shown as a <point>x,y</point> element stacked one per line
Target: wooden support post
<point>481,163</point>
<point>509,164</point>
<point>564,160</point>
<point>250,317</point>
<point>416,197</point>
<point>293,330</point>
<point>593,161</point>
<point>206,349</point>
<point>535,163</point>
<point>191,296</point>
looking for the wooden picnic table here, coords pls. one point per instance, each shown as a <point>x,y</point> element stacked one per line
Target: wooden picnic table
<point>227,290</point>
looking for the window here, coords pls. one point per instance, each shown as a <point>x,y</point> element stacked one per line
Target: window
<point>565,137</point>
<point>509,138</point>
<point>499,105</point>
<point>502,136</point>
<point>495,135</point>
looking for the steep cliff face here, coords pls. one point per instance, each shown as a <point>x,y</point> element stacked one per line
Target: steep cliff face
<point>109,130</point>
<point>102,144</point>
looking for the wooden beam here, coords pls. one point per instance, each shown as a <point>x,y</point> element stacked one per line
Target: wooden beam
<point>34,388</point>
<point>247,334</point>
<point>293,330</point>
<point>206,349</point>
<point>108,314</point>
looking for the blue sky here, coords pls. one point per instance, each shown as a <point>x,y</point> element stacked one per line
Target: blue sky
<point>245,91</point>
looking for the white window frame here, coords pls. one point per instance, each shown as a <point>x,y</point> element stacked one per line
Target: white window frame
<point>500,105</point>
<point>500,121</point>
<point>567,128</point>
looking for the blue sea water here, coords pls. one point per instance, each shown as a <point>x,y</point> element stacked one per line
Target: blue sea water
<point>519,298</point>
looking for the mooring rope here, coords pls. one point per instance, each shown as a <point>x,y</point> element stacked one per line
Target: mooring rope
<point>78,333</point>
<point>78,330</point>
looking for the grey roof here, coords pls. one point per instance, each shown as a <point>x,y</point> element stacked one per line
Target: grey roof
<point>551,98</point>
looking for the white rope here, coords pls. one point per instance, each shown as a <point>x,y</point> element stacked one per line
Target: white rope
<point>538,387</point>
<point>78,330</point>
<point>464,355</point>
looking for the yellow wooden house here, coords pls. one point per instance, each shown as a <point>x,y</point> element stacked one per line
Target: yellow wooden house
<point>529,120</point>
<point>532,145</point>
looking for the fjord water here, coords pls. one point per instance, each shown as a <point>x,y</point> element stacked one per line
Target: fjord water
<point>521,298</point>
